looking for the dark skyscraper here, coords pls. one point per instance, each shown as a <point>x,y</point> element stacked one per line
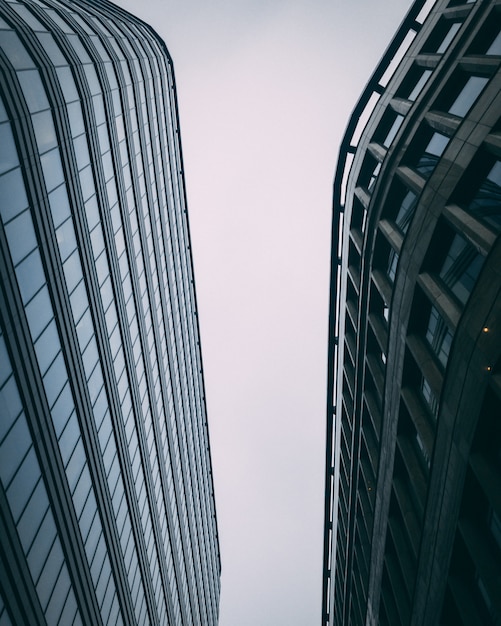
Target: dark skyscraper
<point>107,512</point>
<point>413,474</point>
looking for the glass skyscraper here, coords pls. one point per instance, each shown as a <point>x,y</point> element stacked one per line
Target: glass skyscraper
<point>107,512</point>
<point>413,462</point>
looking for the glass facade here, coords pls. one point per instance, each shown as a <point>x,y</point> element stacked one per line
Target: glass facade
<point>413,389</point>
<point>107,500</point>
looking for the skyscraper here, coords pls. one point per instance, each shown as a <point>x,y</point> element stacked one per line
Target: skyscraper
<point>107,512</point>
<point>413,472</point>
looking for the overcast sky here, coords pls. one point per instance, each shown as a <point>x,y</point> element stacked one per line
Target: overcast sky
<point>265,88</point>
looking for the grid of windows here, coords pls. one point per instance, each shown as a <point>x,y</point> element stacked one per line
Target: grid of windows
<point>98,289</point>
<point>414,278</point>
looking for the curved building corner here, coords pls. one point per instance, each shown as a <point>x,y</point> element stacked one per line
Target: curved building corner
<point>107,507</point>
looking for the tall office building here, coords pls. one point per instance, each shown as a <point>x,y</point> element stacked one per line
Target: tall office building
<point>107,512</point>
<point>413,473</point>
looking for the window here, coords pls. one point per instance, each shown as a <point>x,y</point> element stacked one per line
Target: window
<point>461,268</point>
<point>392,264</point>
<point>439,336</point>
<point>413,83</point>
<point>393,131</point>
<point>487,200</point>
<point>468,95</point>
<point>442,36</point>
<point>434,149</point>
<point>430,398</point>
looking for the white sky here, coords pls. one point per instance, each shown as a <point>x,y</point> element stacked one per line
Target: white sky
<point>265,89</point>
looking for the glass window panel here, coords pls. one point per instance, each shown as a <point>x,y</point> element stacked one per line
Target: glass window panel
<point>439,336</point>
<point>28,17</point>
<point>461,268</point>
<point>495,47</point>
<point>104,141</point>
<point>82,23</point>
<point>392,264</point>
<point>42,544</point>
<point>66,239</point>
<point>92,212</point>
<point>13,448</point>
<point>101,50</point>
<point>52,169</point>
<point>90,357</point>
<point>54,378</point>
<point>8,149</point>
<point>406,211</point>
<point>449,37</point>
<point>21,236</point>
<point>87,516</point>
<point>81,491</point>
<point>76,44</point>
<point>419,85</point>
<point>39,312</point>
<point>111,189</point>
<point>59,205</point>
<point>30,276</point>
<point>47,346</point>
<point>72,271</point>
<point>393,131</point>
<point>85,330</point>
<point>52,49</point>
<point>67,83</point>
<point>92,79</point>
<point>468,95</point>
<point>429,397</point>
<point>121,134</point>
<point>13,194</point>
<point>117,105</point>
<point>112,79</point>
<point>58,597</point>
<point>69,614</point>
<point>45,132</point>
<point>95,383</point>
<point>50,572</point>
<point>87,182</point>
<point>32,515</point>
<point>62,409</point>
<point>76,464</point>
<point>68,440</point>
<point>76,119</point>
<point>79,302</point>
<point>58,20</point>
<point>107,163</point>
<point>33,90</point>
<point>23,484</point>
<point>487,200</point>
<point>10,405</point>
<point>433,151</point>
<point>81,151</point>
<point>99,112</point>
<point>15,51</point>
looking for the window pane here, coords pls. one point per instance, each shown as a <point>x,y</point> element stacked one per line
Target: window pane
<point>21,236</point>
<point>461,268</point>
<point>13,194</point>
<point>33,90</point>
<point>468,95</point>
<point>15,51</point>
<point>8,150</point>
<point>487,200</point>
<point>45,132</point>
